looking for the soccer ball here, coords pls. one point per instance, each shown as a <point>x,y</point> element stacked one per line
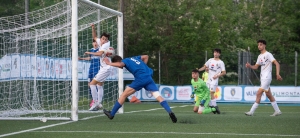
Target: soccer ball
<point>110,52</point>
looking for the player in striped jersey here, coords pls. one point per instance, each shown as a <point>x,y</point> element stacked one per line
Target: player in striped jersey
<point>103,73</point>
<point>265,60</point>
<point>216,69</point>
<point>94,66</point>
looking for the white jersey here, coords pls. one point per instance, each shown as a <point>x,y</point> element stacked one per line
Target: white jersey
<point>103,48</point>
<point>215,68</point>
<point>265,60</point>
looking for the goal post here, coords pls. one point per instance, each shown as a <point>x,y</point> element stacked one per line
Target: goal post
<point>75,50</point>
<point>40,74</point>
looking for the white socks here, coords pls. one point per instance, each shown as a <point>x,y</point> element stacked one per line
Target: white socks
<point>275,106</point>
<point>253,108</point>
<point>213,102</point>
<point>94,92</point>
<point>100,93</point>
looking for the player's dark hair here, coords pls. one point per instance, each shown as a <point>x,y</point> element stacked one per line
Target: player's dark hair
<point>116,58</point>
<point>105,34</point>
<point>262,41</point>
<point>94,40</point>
<point>217,50</point>
<point>195,71</point>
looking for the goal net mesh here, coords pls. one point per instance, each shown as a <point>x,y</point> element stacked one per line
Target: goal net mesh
<point>35,62</point>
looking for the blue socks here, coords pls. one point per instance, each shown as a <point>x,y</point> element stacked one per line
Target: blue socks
<point>165,105</point>
<point>115,109</point>
<point>117,106</point>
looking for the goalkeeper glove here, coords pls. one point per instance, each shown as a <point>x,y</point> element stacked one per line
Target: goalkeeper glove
<point>192,95</point>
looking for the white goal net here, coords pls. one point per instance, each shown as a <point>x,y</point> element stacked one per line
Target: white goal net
<point>36,61</point>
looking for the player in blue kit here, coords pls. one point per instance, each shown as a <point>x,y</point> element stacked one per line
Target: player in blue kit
<point>94,66</point>
<point>142,79</point>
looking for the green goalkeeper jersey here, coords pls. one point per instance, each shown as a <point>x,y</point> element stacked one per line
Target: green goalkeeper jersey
<point>200,88</point>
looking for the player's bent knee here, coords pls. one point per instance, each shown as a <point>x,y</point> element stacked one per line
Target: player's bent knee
<point>156,94</point>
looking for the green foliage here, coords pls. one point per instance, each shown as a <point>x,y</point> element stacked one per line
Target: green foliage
<point>183,30</point>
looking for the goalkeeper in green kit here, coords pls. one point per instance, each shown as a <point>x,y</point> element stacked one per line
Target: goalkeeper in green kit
<point>203,95</point>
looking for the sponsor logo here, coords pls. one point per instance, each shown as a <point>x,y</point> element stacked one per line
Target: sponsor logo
<point>286,94</point>
<point>148,94</point>
<point>166,92</point>
<point>252,93</point>
<point>184,92</point>
<point>232,92</point>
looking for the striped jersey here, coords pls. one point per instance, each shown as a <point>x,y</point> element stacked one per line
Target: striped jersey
<point>265,60</point>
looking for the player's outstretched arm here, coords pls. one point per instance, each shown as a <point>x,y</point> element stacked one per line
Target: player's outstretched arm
<point>86,58</point>
<point>278,77</point>
<point>203,68</point>
<point>99,53</point>
<point>94,35</point>
<point>145,58</point>
<point>115,64</point>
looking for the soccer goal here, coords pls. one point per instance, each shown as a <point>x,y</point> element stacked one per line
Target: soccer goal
<point>40,75</point>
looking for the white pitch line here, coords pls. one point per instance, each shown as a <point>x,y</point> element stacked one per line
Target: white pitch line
<point>53,125</point>
<point>180,133</point>
<point>28,130</point>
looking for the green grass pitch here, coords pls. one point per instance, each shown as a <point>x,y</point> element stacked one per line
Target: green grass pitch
<point>149,120</point>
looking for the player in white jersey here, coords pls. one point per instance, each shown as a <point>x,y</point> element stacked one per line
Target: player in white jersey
<point>94,67</point>
<point>105,70</point>
<point>216,69</point>
<point>265,60</point>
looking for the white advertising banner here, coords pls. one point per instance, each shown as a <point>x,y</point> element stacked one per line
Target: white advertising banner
<point>288,94</point>
<point>233,93</point>
<point>250,93</point>
<point>183,92</point>
<point>27,66</point>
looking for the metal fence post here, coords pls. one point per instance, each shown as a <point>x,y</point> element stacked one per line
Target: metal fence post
<point>296,67</point>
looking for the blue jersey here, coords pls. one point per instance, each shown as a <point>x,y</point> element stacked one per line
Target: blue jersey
<point>95,62</point>
<point>137,67</point>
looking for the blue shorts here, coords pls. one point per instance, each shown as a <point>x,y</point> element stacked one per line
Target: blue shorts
<point>92,74</point>
<point>146,82</point>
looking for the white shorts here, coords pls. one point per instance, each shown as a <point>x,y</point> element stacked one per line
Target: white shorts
<point>211,88</point>
<point>265,84</point>
<point>102,74</point>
